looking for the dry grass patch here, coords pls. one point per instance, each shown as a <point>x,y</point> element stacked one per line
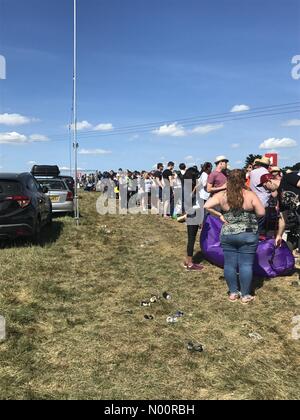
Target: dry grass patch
<point>76,329</point>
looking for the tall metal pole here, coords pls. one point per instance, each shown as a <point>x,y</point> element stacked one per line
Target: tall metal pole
<point>75,143</point>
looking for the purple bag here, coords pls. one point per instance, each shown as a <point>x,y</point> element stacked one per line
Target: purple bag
<point>269,262</point>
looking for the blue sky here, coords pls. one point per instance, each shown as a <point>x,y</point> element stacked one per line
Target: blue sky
<point>141,62</point>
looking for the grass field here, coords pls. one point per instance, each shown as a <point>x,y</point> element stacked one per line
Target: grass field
<point>75,328</point>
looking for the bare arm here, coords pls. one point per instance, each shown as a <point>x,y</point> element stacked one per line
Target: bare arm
<point>159,183</point>
<point>210,189</point>
<point>198,186</point>
<point>211,204</point>
<point>171,180</point>
<point>259,209</point>
<point>281,229</point>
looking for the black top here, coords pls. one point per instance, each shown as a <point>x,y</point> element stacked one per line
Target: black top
<point>181,177</point>
<point>158,174</point>
<point>167,174</point>
<point>288,192</point>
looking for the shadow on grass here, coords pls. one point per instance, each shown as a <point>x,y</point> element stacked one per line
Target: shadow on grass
<point>199,258</point>
<point>258,283</point>
<point>52,233</point>
<point>49,235</point>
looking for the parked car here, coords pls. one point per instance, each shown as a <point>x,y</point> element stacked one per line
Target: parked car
<point>69,181</point>
<point>24,206</point>
<point>61,197</point>
<point>53,171</point>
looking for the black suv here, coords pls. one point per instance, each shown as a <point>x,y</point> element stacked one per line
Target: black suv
<point>24,207</point>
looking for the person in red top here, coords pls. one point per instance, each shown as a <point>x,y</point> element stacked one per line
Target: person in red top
<point>217,180</point>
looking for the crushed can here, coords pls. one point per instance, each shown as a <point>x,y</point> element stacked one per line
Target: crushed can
<point>145,303</point>
<point>172,319</point>
<point>195,347</point>
<point>167,296</point>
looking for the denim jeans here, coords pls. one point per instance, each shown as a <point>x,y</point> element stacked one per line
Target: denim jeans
<point>239,253</point>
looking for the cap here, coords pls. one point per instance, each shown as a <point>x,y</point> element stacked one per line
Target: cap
<point>265,178</point>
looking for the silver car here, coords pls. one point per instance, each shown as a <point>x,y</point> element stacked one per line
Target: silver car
<point>61,197</point>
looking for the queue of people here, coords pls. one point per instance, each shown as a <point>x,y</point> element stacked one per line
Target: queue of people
<point>253,204</point>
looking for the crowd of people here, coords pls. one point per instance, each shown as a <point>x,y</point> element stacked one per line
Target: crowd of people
<point>253,203</point>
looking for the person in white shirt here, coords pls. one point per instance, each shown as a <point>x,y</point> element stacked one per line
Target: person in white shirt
<point>206,171</point>
<point>202,194</point>
<point>261,167</point>
<point>148,182</point>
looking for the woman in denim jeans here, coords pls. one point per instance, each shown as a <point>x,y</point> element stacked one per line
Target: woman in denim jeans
<point>239,237</point>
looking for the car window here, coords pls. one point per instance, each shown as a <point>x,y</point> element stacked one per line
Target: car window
<point>10,187</point>
<point>53,185</point>
<point>38,186</point>
<point>31,185</point>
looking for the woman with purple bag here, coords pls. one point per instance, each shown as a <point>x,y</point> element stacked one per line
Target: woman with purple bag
<point>239,237</point>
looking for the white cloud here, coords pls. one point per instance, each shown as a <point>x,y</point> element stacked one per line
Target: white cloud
<point>205,129</point>
<point>173,130</point>
<point>189,158</point>
<point>17,138</point>
<point>238,162</point>
<point>66,168</point>
<point>85,125</point>
<point>12,138</point>
<point>292,123</point>
<point>104,127</point>
<point>38,137</point>
<point>176,130</point>
<point>240,108</point>
<point>14,119</point>
<point>82,125</point>
<point>274,143</point>
<point>235,145</point>
<point>94,152</point>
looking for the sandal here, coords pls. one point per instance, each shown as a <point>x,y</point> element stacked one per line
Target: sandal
<point>195,267</point>
<point>234,297</point>
<point>245,300</point>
